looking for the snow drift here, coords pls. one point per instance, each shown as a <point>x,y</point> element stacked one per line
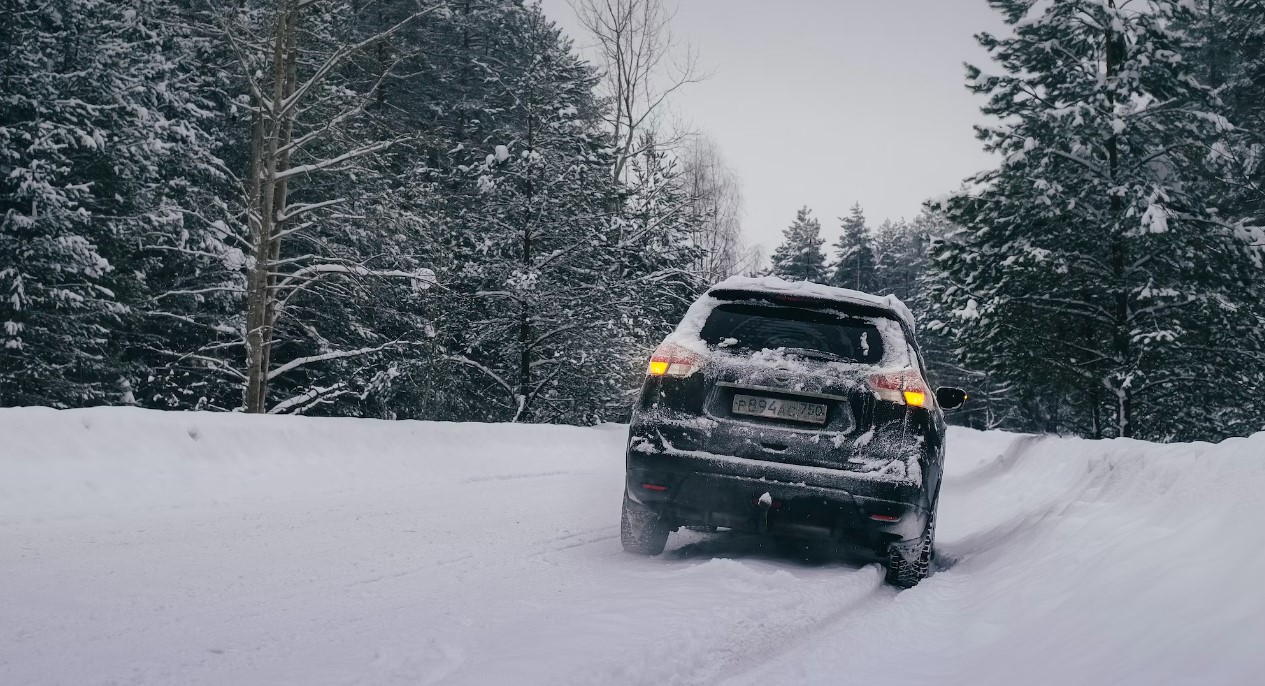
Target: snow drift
<point>165,548</point>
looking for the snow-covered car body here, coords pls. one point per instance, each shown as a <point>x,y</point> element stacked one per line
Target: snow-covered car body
<point>789,408</point>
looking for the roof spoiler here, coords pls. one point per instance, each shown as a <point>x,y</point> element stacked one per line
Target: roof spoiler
<point>799,300</point>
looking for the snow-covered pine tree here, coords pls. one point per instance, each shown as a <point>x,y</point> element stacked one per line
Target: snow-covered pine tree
<point>1232,61</point>
<point>899,258</point>
<point>658,258</point>
<point>56,309</point>
<point>101,152</point>
<point>799,257</point>
<point>535,254</point>
<point>854,265</point>
<point>1090,271</point>
<point>190,267</point>
<point>427,189</point>
<point>903,268</point>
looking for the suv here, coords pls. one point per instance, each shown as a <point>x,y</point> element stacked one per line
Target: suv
<point>795,409</point>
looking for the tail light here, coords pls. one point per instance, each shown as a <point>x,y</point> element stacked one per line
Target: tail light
<point>671,359</point>
<point>905,387</point>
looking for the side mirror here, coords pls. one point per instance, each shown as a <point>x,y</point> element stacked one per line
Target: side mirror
<point>950,398</point>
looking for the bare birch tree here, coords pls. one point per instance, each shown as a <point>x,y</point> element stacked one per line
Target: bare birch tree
<point>716,194</point>
<point>642,66</point>
<point>295,137</point>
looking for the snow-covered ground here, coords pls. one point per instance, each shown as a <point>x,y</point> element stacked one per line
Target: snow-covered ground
<point>148,548</point>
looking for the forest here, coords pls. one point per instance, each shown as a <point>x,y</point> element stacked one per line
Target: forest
<point>439,209</point>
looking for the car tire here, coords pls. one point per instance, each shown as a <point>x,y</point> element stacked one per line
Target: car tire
<point>909,563</point>
<point>641,530</point>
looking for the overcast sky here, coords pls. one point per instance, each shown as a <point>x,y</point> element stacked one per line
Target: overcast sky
<point>829,102</point>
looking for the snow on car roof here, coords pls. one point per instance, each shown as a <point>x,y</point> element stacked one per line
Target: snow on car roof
<point>806,289</point>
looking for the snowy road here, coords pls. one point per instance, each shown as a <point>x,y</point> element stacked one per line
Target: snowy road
<point>148,548</point>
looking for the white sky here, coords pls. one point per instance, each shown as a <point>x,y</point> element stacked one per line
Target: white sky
<point>831,102</point>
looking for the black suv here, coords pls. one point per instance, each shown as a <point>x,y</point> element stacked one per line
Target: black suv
<point>794,409</point>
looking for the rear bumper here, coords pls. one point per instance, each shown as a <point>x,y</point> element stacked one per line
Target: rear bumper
<point>714,490</point>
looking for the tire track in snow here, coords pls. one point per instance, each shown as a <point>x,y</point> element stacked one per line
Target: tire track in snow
<point>576,539</point>
<point>778,639</point>
<point>975,504</point>
<point>757,605</point>
<point>360,560</point>
<point>960,490</point>
<point>986,472</point>
<point>765,634</point>
<point>1001,511</point>
<point>523,475</point>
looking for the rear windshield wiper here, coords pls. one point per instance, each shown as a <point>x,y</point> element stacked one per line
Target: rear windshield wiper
<point>816,354</point>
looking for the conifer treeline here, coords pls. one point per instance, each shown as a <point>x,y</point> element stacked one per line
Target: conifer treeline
<point>1106,278</point>
<point>407,209</point>
<point>389,209</point>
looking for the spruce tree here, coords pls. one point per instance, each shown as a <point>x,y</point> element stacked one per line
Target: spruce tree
<point>541,267</point>
<point>799,257</point>
<point>1090,270</point>
<point>899,258</point>
<point>854,254</point>
<point>1232,61</point>
<point>103,164</point>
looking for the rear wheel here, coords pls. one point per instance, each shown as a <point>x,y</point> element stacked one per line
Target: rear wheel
<point>909,563</point>
<point>641,530</point>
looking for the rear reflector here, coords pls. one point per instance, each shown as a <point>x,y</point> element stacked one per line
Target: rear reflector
<point>654,487</point>
<point>884,518</point>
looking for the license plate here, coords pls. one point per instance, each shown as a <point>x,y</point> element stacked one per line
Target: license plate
<point>774,408</point>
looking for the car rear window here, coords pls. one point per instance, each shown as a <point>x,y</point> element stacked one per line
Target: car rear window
<point>753,328</point>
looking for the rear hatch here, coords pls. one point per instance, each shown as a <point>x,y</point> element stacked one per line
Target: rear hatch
<point>798,383</point>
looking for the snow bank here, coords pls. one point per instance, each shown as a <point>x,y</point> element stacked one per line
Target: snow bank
<point>159,548</point>
<point>1074,561</point>
<point>111,460</point>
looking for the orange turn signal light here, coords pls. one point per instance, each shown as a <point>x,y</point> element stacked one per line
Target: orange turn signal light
<point>915,398</point>
<point>671,359</point>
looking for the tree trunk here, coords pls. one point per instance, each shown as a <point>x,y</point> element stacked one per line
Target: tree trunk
<point>260,307</point>
<point>253,289</point>
<point>1095,409</point>
<point>1124,411</point>
<point>279,202</point>
<point>1121,343</point>
<point>524,307</point>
